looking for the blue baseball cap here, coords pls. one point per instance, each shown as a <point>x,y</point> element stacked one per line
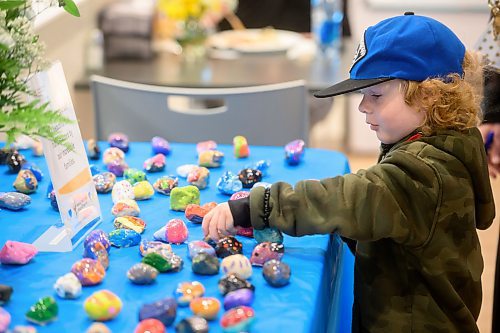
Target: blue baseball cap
<point>408,47</point>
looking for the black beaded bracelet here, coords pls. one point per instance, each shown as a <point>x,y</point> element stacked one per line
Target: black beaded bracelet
<point>267,209</point>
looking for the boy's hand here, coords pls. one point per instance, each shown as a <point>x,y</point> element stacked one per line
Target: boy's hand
<point>219,222</point>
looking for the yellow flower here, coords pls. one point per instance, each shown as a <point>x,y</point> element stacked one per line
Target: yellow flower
<point>182,10</point>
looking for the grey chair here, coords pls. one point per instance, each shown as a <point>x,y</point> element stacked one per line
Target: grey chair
<point>271,114</point>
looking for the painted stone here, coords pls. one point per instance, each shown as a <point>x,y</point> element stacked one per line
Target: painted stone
<point>206,145</point>
<point>238,297</point>
<point>133,175</point>
<point>15,161</point>
<point>196,247</point>
<point>276,273</point>
<point>168,263</point>
<point>210,241</point>
<point>187,291</point>
<point>175,261</point>
<point>211,158</point>
<point>246,232</point>
<point>93,150</point>
<point>97,235</point>
<point>294,152</point>
<point>143,190</point>
<point>98,327</point>
<point>102,305</point>
<point>89,271</point>
<point>196,213</point>
<point>182,196</point>
<point>150,325</point>
<point>130,222</point>
<point>266,251</point>
<point>263,166</point>
<point>205,264</point>
<point>272,235</point>
<point>154,247</point>
<point>53,201</point>
<point>183,170</point>
<point>112,154</point>
<point>17,253</point>
<point>161,234</point>
<point>165,184</point>
<point>43,311</point>
<point>4,320</point>
<point>104,182</point>
<point>232,282</point>
<point>239,319</point>
<point>240,147</point>
<point>142,273</point>
<point>155,164</point>
<point>97,251</point>
<point>199,177</point>
<point>126,207</point>
<point>239,195</point>
<point>5,293</point>
<point>160,146</point>
<point>117,168</point>
<point>237,264</point>
<point>124,238</point>
<point>227,246</point>
<point>122,190</point>
<point>94,169</point>
<point>192,324</point>
<point>229,183</point>
<point>119,140</point>
<point>34,169</point>
<point>206,307</point>
<point>25,182</point>
<point>164,310</point>
<point>249,177</point>
<point>68,286</point>
<point>4,153</point>
<point>14,200</point>
<point>176,231</point>
<point>24,329</point>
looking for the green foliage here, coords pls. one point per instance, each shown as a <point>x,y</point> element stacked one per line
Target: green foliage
<point>21,56</point>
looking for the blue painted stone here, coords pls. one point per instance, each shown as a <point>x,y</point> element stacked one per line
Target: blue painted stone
<point>14,200</point>
<point>263,166</point>
<point>294,152</point>
<point>272,235</point>
<point>164,310</point>
<point>94,169</point>
<point>160,146</point>
<point>238,297</point>
<point>119,140</point>
<point>34,169</point>
<point>276,273</point>
<point>97,235</point>
<point>161,234</point>
<point>229,183</point>
<point>53,201</point>
<point>124,238</point>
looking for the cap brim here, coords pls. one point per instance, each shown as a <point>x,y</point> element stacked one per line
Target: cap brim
<point>348,86</point>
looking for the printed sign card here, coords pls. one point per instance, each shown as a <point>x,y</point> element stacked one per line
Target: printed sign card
<point>69,169</point>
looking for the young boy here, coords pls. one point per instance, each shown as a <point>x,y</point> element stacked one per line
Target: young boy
<point>414,215</point>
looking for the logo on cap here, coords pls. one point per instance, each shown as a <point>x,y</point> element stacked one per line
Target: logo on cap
<point>360,52</point>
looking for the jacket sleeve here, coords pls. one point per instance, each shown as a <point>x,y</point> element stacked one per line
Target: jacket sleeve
<point>394,199</point>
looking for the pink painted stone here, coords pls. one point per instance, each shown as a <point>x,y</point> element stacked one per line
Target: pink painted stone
<point>17,253</point>
<point>176,231</point>
<point>239,195</point>
<point>266,251</point>
<point>4,320</point>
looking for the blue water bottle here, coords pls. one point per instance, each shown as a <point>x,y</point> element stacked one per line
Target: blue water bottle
<point>327,18</point>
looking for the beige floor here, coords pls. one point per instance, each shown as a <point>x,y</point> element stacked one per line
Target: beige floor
<point>488,238</point>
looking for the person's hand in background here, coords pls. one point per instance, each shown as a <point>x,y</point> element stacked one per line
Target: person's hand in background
<point>492,144</point>
<point>219,222</point>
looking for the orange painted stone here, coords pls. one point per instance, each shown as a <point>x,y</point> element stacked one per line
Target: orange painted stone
<point>206,307</point>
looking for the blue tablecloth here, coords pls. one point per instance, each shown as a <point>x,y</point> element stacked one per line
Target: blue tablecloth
<point>301,306</point>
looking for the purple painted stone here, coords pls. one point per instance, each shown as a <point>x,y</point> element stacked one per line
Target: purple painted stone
<point>89,271</point>
<point>14,200</point>
<point>266,251</point>
<point>118,140</point>
<point>117,167</point>
<point>238,297</point>
<point>97,251</point>
<point>294,152</point>
<point>160,145</point>
<point>276,273</point>
<point>196,247</point>
<point>161,234</point>
<point>17,253</point>
<point>97,235</point>
<point>164,310</point>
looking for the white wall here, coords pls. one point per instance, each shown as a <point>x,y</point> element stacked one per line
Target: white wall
<point>467,18</point>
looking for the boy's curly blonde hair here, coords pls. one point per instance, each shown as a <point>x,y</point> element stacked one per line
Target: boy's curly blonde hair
<point>451,105</point>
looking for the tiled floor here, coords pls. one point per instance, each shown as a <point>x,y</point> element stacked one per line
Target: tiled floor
<point>488,238</point>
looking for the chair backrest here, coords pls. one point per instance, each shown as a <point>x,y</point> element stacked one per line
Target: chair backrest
<point>272,114</point>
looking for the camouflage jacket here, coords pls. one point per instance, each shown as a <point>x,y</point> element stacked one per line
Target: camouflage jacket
<point>414,216</point>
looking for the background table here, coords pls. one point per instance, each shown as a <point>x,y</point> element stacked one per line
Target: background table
<point>302,306</point>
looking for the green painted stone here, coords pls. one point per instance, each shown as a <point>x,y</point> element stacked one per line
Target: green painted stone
<point>180,197</point>
<point>157,261</point>
<point>43,311</point>
<point>134,175</point>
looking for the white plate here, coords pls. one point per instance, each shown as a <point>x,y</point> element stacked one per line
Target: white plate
<point>254,40</point>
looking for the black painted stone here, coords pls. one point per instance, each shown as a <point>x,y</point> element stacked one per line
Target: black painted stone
<point>233,282</point>
<point>5,292</point>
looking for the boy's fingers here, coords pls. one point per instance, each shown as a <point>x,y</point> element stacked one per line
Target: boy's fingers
<point>206,223</point>
<point>214,234</point>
